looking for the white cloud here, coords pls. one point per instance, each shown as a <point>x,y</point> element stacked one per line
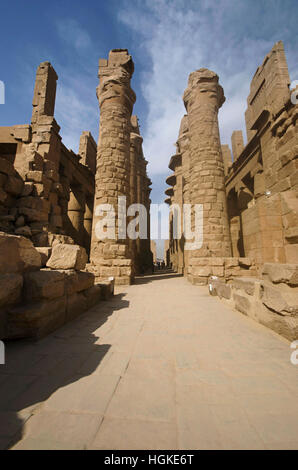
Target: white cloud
<point>72,33</point>
<point>180,37</point>
<point>76,112</point>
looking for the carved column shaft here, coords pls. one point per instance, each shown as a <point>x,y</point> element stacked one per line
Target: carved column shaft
<point>116,99</point>
<point>203,98</point>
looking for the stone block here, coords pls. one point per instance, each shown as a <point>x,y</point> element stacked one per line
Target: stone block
<point>277,300</point>
<point>76,304</point>
<point>40,239</point>
<point>14,185</point>
<point>94,294</point>
<point>35,176</point>
<point>107,271</point>
<point>45,253</point>
<point>33,215</point>
<point>292,253</point>
<point>245,262</point>
<point>216,261</point>
<point>43,284</point>
<point>218,271</point>
<point>201,271</point>
<point>125,271</point>
<point>231,262</point>
<point>122,280</point>
<point>281,273</point>
<point>10,288</point>
<point>55,238</point>
<point>17,254</point>
<point>122,262</point>
<point>28,188</point>
<point>78,281</point>
<point>36,320</point>
<point>25,231</point>
<point>220,288</point>
<point>291,234</point>
<point>242,304</point>
<point>22,132</point>
<point>246,284</point>
<point>66,256</point>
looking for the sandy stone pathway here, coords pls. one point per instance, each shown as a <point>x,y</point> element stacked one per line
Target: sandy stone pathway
<point>162,365</point>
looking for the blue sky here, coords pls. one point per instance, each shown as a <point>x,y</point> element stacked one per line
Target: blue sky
<point>167,39</point>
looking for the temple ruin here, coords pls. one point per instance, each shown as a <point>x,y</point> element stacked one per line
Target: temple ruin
<point>66,218</point>
<point>52,265</point>
<point>249,250</point>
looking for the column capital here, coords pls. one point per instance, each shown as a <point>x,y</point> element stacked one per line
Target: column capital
<point>202,86</point>
<point>115,74</point>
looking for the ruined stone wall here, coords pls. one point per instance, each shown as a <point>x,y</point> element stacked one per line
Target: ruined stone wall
<point>39,175</point>
<point>249,253</point>
<point>250,204</point>
<point>46,210</point>
<point>262,183</point>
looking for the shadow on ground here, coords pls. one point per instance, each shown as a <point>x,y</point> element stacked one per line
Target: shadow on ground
<point>35,370</point>
<point>157,276</point>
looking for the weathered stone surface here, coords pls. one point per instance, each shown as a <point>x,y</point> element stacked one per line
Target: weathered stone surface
<point>14,185</point>
<point>76,304</point>
<point>120,170</point>
<point>205,171</point>
<point>231,262</point>
<point>277,301</point>
<point>33,215</point>
<point>94,294</point>
<point>67,257</point>
<point>25,231</point>
<point>242,304</point>
<point>220,288</point>
<point>37,319</point>
<point>55,238</point>
<point>78,281</point>
<point>281,273</point>
<point>46,283</point>
<point>246,284</point>
<point>17,254</point>
<point>245,262</point>
<point>10,288</point>
<point>107,288</point>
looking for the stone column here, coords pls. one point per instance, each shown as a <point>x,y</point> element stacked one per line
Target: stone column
<point>88,223</point>
<point>135,146</point>
<point>76,209</point>
<point>111,257</point>
<point>203,98</point>
<point>183,147</point>
<point>139,200</point>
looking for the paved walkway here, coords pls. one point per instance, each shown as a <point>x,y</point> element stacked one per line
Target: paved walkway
<point>162,365</point>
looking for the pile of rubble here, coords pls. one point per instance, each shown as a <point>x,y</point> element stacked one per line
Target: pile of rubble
<point>271,300</point>
<point>43,288</point>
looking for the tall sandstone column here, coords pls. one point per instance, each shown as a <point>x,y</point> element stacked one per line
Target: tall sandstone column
<point>112,257</point>
<point>203,98</point>
<point>135,151</point>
